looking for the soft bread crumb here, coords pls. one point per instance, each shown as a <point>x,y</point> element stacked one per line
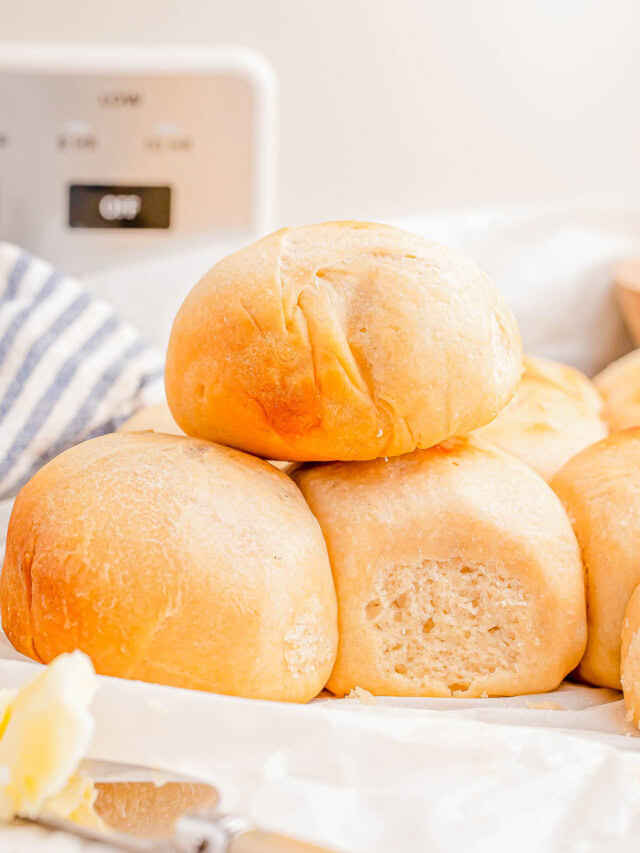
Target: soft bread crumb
<point>363,696</point>
<point>628,716</point>
<point>453,621</point>
<point>305,643</point>
<point>546,705</point>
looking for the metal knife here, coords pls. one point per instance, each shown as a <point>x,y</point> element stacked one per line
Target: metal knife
<point>147,812</point>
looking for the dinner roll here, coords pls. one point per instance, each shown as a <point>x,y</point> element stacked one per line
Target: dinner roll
<point>554,413</point>
<point>600,489</point>
<point>630,659</point>
<point>619,385</point>
<point>172,560</point>
<point>346,340</point>
<point>457,573</point>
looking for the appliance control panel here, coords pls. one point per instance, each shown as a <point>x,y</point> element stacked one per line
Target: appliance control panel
<point>108,150</point>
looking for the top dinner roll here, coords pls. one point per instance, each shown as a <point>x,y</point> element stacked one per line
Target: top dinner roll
<point>345,340</point>
<point>553,415</point>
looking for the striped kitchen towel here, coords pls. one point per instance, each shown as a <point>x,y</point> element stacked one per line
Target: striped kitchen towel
<point>70,369</point>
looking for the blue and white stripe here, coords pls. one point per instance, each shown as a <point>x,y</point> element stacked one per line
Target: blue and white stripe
<point>70,369</point>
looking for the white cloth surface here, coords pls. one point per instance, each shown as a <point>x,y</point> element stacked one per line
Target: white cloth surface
<point>403,775</point>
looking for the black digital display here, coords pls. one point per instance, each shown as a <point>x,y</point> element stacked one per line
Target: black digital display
<point>98,206</point>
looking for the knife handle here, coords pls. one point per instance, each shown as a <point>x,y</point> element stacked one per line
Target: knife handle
<point>259,841</point>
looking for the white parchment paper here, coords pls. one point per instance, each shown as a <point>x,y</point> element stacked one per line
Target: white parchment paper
<point>400,775</point>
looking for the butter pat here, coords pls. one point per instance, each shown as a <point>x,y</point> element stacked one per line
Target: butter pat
<point>45,731</point>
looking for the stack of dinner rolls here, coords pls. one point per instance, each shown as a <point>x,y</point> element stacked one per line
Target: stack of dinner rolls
<point>416,549</point>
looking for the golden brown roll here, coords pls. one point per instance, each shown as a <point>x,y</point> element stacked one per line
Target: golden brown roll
<point>554,414</point>
<point>600,489</point>
<point>619,385</point>
<point>346,340</point>
<point>172,560</point>
<point>630,658</point>
<point>457,573</point>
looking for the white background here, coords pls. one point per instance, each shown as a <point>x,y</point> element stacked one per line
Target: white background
<point>396,107</point>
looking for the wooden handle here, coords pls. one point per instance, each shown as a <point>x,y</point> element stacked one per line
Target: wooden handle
<point>257,841</point>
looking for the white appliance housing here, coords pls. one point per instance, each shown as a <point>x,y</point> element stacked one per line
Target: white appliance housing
<point>107,152</point>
